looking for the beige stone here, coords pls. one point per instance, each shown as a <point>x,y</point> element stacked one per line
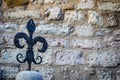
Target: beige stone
<point>109,6</point>
<point>85,4</point>
<point>74,16</point>
<point>95,18</point>
<point>22,14</point>
<point>84,30</point>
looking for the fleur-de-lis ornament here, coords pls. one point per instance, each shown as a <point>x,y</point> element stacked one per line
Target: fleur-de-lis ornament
<point>29,58</point>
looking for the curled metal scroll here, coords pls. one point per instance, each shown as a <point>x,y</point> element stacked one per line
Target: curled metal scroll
<point>30,42</point>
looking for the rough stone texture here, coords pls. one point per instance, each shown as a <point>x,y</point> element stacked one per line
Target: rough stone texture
<point>85,4</point>
<point>28,75</point>
<point>66,57</point>
<point>95,18</point>
<point>103,32</point>
<point>48,1</point>
<point>46,57</point>
<point>84,30</point>
<point>74,16</point>
<point>112,20</point>
<point>104,74</point>
<point>6,38</point>
<point>8,26</point>
<point>9,72</point>
<point>54,13</point>
<point>22,14</point>
<point>9,55</point>
<point>117,32</point>
<point>109,6</point>
<point>60,29</point>
<point>47,73</point>
<point>83,37</point>
<point>58,42</point>
<point>72,73</point>
<point>118,75</point>
<point>86,43</point>
<point>104,59</point>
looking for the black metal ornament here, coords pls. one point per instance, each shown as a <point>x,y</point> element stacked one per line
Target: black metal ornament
<point>29,58</point>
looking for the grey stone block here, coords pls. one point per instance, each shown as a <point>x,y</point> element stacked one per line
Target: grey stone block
<point>28,75</point>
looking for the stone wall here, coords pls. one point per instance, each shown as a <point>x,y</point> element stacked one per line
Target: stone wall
<point>83,38</point>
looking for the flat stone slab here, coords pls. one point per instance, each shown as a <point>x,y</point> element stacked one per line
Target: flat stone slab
<point>28,75</point>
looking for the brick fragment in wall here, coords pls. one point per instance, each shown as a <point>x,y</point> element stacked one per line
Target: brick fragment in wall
<point>68,6</point>
<point>111,19</point>
<point>54,13</point>
<point>104,74</point>
<point>95,18</point>
<point>6,38</point>
<point>39,2</point>
<point>86,43</point>
<point>62,1</point>
<point>116,32</point>
<point>111,42</point>
<point>109,6</point>
<point>48,1</point>
<point>46,56</point>
<point>9,71</point>
<point>64,57</point>
<point>118,75</point>
<point>8,26</point>
<point>85,4</point>
<point>59,29</point>
<point>103,59</point>
<point>84,30</point>
<point>58,43</point>
<point>9,55</point>
<point>71,73</point>
<point>103,32</point>
<point>74,16</point>
<point>22,14</point>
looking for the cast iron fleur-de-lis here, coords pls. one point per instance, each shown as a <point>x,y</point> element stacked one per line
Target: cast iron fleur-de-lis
<point>29,58</point>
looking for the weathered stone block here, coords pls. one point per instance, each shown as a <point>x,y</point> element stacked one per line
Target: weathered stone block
<point>109,6</point>
<point>9,72</point>
<point>54,13</point>
<point>84,30</point>
<point>7,39</point>
<point>66,57</point>
<point>104,74</point>
<point>46,57</point>
<point>74,16</point>
<point>112,20</point>
<point>48,1</point>
<point>8,26</point>
<point>95,18</point>
<point>68,6</point>
<point>47,73</point>
<point>102,32</point>
<point>22,14</point>
<point>116,32</point>
<point>104,59</point>
<point>85,4</point>
<point>9,55</point>
<point>86,43</point>
<point>58,43</point>
<point>118,75</point>
<point>60,29</point>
